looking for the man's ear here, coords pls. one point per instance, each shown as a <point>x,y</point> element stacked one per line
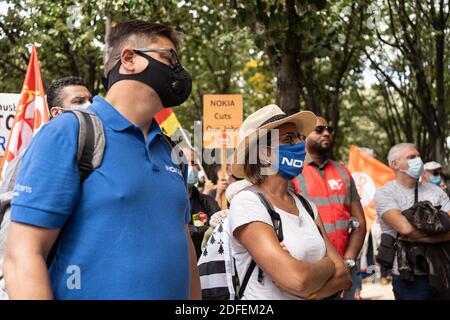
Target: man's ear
<point>394,165</point>
<point>308,143</point>
<point>55,111</point>
<point>128,59</point>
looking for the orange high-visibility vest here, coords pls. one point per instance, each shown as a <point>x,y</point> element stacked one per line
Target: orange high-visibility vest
<point>331,194</point>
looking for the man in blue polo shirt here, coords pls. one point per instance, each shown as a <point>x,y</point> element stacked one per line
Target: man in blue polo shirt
<point>125,230</point>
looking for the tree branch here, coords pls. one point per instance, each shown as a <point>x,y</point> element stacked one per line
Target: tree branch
<point>13,41</point>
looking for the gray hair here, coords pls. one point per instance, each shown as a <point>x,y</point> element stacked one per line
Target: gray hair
<point>396,151</point>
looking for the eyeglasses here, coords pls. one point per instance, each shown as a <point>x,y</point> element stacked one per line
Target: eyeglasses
<point>321,129</point>
<point>173,57</point>
<point>292,138</point>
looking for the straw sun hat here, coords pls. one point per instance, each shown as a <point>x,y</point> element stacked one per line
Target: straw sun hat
<point>269,117</point>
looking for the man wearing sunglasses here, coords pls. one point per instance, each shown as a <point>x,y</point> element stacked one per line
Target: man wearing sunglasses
<point>126,232</point>
<point>433,174</point>
<point>330,186</point>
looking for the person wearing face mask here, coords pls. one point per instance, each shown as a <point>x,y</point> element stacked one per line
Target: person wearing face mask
<point>330,186</point>
<point>126,227</point>
<point>432,173</point>
<point>270,153</point>
<point>395,197</point>
<point>67,93</point>
<point>202,205</point>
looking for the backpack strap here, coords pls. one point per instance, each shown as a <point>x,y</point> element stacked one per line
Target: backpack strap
<point>306,205</point>
<point>247,276</point>
<point>91,141</point>
<point>87,145</point>
<point>179,153</point>
<point>309,209</point>
<point>276,220</point>
<point>91,147</point>
<point>416,193</point>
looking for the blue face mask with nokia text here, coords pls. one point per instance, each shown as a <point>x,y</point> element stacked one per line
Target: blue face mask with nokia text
<point>291,158</point>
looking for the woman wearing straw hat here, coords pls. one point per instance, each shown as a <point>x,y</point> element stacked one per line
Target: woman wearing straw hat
<point>270,153</point>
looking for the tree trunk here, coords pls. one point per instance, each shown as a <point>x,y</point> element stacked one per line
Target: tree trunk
<point>288,78</point>
<point>440,150</point>
<point>92,76</point>
<point>440,91</point>
<point>108,25</point>
<point>307,83</point>
<point>288,84</point>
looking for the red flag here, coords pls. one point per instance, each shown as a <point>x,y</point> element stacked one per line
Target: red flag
<point>369,175</point>
<point>31,113</point>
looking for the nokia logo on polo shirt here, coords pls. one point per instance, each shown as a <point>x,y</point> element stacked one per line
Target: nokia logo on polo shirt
<point>292,162</point>
<point>174,170</point>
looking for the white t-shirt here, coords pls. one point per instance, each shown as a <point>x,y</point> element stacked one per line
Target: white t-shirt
<point>301,238</point>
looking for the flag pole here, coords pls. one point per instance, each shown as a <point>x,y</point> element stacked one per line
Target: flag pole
<point>197,159</point>
<point>223,169</point>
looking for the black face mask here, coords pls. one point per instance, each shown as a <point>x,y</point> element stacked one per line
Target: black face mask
<point>172,84</point>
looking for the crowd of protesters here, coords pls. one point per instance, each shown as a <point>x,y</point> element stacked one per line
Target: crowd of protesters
<point>141,225</point>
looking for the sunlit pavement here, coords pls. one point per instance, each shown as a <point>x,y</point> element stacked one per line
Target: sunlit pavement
<point>377,291</point>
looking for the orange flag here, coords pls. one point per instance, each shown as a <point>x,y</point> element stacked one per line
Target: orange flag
<point>369,175</point>
<point>168,121</point>
<point>31,114</point>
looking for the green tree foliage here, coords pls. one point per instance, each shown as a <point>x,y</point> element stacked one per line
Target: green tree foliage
<point>300,54</point>
<point>62,51</point>
<point>314,49</point>
<point>214,49</point>
<point>410,55</point>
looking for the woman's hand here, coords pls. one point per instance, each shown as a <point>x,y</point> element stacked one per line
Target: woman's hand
<point>294,276</point>
<point>341,280</point>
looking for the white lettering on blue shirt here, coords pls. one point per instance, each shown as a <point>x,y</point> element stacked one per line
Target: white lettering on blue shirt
<point>22,188</point>
<point>174,170</point>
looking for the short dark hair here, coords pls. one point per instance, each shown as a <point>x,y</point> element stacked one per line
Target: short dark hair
<point>122,33</point>
<point>54,96</point>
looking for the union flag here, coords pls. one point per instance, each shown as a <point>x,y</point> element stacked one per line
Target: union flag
<point>31,113</point>
<point>369,175</point>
